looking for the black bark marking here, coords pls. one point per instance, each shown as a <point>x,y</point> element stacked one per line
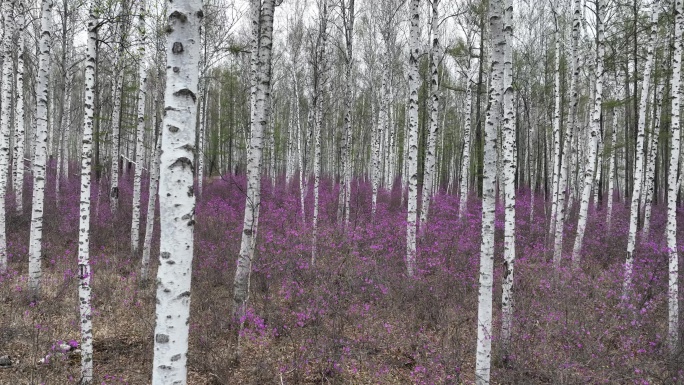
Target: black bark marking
<point>178,15</point>
<point>182,162</point>
<point>177,47</point>
<point>162,338</point>
<point>186,92</point>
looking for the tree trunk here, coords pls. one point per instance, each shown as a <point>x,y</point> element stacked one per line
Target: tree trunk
<point>5,114</point>
<point>465,162</point>
<point>414,85</point>
<point>672,176</point>
<point>639,158</point>
<point>509,165</point>
<point>40,160</point>
<point>19,129</point>
<point>140,131</point>
<point>84,272</point>
<point>176,196</point>
<point>484,309</point>
<point>651,163</point>
<point>435,56</point>
<point>254,161</point>
<point>593,137</point>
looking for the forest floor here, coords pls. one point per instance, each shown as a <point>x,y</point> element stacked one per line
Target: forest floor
<point>353,317</point>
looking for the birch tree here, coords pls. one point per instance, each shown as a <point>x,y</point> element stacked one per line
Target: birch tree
<point>486,276</point>
<point>317,104</point>
<point>6,95</point>
<point>19,130</point>
<point>465,162</point>
<point>84,271</point>
<point>593,133</point>
<point>137,177</point>
<point>151,206</point>
<point>639,158</point>
<point>258,124</point>
<point>672,187</point>
<point>347,8</point>
<point>509,164</point>
<point>566,170</point>
<point>434,116</point>
<point>176,196</point>
<point>40,155</point>
<point>651,162</point>
<point>413,84</point>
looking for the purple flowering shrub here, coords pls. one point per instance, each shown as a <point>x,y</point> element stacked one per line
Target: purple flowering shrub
<point>353,317</point>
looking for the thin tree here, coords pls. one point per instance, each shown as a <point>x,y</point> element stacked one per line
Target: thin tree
<point>593,134</point>
<point>5,114</point>
<point>40,155</point>
<point>484,309</point>
<point>413,85</point>
<point>430,158</point>
<point>140,137</point>
<point>84,288</point>
<point>639,158</point>
<point>254,158</point>
<point>19,130</point>
<point>672,187</point>
<point>509,165</point>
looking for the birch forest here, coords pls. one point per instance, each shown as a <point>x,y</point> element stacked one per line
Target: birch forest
<point>430,192</point>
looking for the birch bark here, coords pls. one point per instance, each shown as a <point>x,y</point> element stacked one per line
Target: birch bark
<point>40,159</point>
<point>84,271</point>
<point>486,275</point>
<point>592,139</point>
<point>465,162</point>
<point>140,132</point>
<point>176,196</point>
<point>639,158</point>
<point>434,117</point>
<point>5,114</point>
<point>414,84</point>
<point>151,206</point>
<point>254,161</point>
<point>672,176</point>
<point>651,163</point>
<point>509,165</point>
<point>19,129</point>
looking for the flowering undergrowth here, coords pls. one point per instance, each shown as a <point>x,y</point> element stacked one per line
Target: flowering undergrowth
<point>353,317</point>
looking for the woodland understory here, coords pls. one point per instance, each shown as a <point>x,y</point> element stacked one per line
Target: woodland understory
<point>354,317</point>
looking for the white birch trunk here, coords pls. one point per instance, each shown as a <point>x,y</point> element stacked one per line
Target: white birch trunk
<point>650,168</point>
<point>318,117</point>
<point>509,166</point>
<point>254,162</point>
<point>116,121</point>
<point>672,177</point>
<point>434,118</point>
<point>84,288</point>
<point>19,129</point>
<point>151,206</point>
<point>204,95</point>
<point>592,139</point>
<point>566,170</point>
<point>486,275</point>
<point>140,132</point>
<point>40,160</point>
<point>176,195</point>
<point>6,91</point>
<point>465,162</point>
<point>611,172</point>
<point>555,191</point>
<point>639,159</point>
<point>345,180</point>
<point>414,84</point>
